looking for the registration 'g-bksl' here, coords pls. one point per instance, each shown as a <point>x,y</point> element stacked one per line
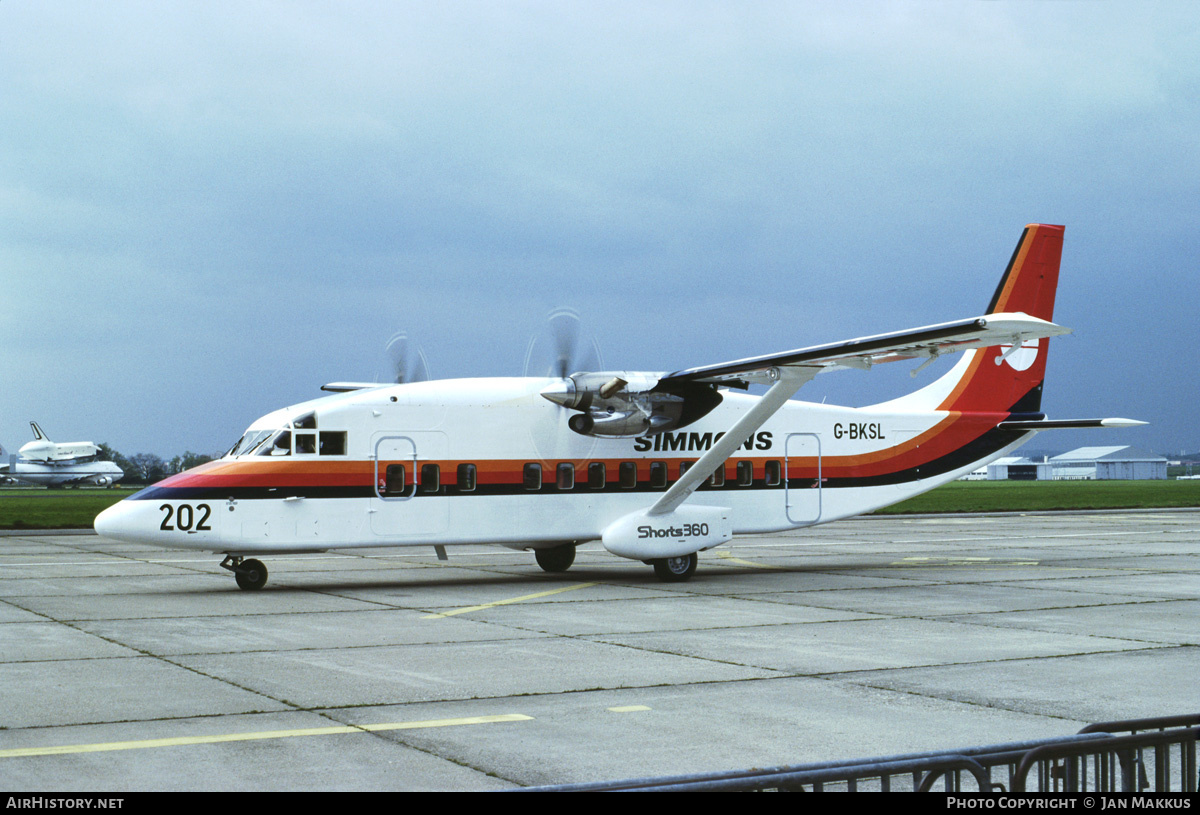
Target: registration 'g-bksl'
<point>656,466</point>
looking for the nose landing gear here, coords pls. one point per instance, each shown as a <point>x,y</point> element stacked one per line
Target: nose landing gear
<point>251,574</point>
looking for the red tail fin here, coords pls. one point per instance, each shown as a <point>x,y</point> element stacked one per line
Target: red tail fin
<point>1000,379</point>
<point>1031,279</point>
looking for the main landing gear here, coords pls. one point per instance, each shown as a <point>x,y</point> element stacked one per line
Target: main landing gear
<point>251,574</point>
<point>675,569</point>
<point>556,559</point>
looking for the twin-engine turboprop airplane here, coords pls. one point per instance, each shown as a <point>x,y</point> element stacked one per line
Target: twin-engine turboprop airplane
<point>657,466</point>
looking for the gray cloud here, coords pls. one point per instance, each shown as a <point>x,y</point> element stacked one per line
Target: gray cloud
<point>207,211</point>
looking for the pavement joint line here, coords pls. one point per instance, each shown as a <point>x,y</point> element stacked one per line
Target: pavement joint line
<point>509,601</point>
<point>222,738</point>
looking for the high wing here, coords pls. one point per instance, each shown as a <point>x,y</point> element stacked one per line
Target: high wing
<point>789,371</point>
<point>929,341</point>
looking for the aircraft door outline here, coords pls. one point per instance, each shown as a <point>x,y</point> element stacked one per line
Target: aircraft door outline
<point>393,511</point>
<point>802,503</point>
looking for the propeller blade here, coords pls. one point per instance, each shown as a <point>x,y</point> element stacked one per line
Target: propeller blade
<point>561,349</point>
<point>408,360</point>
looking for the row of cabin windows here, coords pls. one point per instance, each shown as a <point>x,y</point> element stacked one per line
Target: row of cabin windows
<point>597,475</point>
<point>564,476</point>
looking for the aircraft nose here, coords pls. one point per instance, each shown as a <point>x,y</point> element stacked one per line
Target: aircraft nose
<point>114,522</point>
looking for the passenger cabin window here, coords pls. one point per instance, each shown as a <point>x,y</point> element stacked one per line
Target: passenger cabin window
<point>745,473</point>
<point>596,475</point>
<point>431,478</point>
<point>466,477</point>
<point>717,479</point>
<point>772,473</point>
<point>658,474</point>
<point>627,472</point>
<point>332,442</point>
<point>565,476</point>
<point>684,466</point>
<point>531,477</point>
<point>394,482</point>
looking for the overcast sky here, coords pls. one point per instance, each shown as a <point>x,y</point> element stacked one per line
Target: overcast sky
<point>207,209</point>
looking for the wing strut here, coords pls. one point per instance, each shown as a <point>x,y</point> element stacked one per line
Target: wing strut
<point>788,380</point>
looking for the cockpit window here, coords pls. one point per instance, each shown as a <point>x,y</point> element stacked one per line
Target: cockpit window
<point>279,445</point>
<point>306,422</point>
<point>248,442</point>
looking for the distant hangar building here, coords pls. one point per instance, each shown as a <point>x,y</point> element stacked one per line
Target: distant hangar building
<point>1084,464</point>
<point>1016,468</point>
<point>1109,463</point>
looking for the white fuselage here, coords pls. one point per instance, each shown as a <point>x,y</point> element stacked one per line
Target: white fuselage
<point>496,463</point>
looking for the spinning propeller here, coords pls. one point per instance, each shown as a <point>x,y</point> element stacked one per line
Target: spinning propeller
<point>614,404</point>
<point>408,360</point>
<point>560,349</point>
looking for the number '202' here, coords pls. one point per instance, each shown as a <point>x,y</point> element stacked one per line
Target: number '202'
<point>186,519</point>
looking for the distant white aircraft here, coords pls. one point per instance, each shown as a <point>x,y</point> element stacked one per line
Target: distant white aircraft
<point>42,449</point>
<point>51,464</point>
<point>656,466</point>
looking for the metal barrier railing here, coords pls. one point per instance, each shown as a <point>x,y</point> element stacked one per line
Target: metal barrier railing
<point>1119,763</point>
<point>1157,755</point>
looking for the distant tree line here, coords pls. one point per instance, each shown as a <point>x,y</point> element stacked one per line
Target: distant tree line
<point>146,468</point>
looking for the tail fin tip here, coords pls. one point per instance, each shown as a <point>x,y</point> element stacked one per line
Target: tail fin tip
<point>1031,279</point>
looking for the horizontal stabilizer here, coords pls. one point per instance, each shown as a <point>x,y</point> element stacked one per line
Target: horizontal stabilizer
<point>1059,424</point>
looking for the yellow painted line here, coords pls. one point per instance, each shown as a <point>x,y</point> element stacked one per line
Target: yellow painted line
<point>222,738</point>
<point>509,601</point>
<point>962,561</point>
<point>728,558</point>
<point>628,709</point>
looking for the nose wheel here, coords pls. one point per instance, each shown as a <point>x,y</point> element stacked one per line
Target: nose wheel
<point>251,574</point>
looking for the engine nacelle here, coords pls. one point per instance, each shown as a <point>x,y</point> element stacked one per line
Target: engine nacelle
<point>621,404</point>
<point>102,480</point>
<point>688,529</point>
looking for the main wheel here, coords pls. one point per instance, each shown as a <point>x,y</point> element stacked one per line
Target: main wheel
<point>676,569</point>
<point>556,559</point>
<point>251,575</point>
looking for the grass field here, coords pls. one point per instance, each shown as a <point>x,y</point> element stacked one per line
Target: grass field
<point>77,509</point>
<point>1030,496</point>
<point>56,509</point>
